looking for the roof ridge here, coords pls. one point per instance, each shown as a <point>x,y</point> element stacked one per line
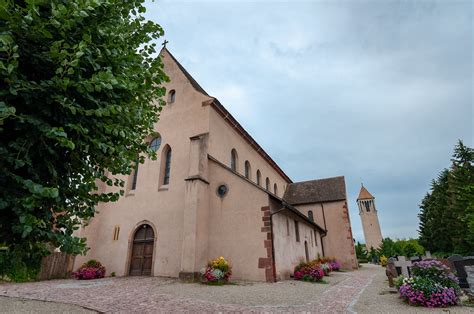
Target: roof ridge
<point>191,79</point>
<point>321,179</point>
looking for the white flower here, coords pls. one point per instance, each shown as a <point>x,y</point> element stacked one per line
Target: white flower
<point>219,274</point>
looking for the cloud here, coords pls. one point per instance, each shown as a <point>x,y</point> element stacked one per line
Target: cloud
<point>376,91</point>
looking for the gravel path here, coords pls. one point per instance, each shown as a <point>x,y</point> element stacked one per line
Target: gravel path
<point>18,305</point>
<point>363,291</point>
<point>379,298</point>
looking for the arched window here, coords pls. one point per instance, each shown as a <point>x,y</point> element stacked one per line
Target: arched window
<point>297,232</point>
<point>267,184</point>
<point>275,189</point>
<point>165,165</point>
<point>247,169</point>
<point>306,252</point>
<point>310,215</point>
<point>155,143</point>
<point>233,160</point>
<point>171,96</point>
<point>259,177</point>
<point>135,176</point>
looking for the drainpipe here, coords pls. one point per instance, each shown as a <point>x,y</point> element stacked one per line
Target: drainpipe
<point>324,220</point>
<point>273,245</point>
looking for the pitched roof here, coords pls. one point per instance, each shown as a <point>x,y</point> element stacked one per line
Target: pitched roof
<point>193,82</point>
<point>214,102</point>
<point>316,191</point>
<point>364,194</point>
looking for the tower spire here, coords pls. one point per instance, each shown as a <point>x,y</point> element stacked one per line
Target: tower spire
<point>369,218</point>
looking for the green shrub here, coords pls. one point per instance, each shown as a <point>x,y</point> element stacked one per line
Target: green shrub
<point>92,263</point>
<point>14,267</point>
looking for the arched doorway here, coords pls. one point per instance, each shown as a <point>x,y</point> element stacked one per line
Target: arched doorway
<point>142,251</point>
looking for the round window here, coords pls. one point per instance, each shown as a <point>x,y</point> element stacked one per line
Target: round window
<point>222,190</point>
<point>155,143</point>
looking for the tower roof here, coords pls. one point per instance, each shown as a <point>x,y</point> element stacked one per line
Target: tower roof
<point>364,194</point>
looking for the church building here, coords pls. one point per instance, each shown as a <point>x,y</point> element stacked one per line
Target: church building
<point>214,191</point>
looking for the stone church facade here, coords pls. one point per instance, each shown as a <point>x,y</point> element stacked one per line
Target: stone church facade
<point>213,191</point>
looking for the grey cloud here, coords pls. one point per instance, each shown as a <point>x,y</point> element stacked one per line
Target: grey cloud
<point>373,90</point>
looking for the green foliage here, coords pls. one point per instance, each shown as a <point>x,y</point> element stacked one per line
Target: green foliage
<point>91,263</point>
<point>21,263</point>
<point>403,247</point>
<point>447,211</point>
<point>398,282</point>
<point>361,253</point>
<point>80,90</point>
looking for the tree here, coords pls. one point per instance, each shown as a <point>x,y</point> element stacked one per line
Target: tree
<point>80,90</point>
<point>447,211</point>
<point>461,201</point>
<point>361,253</point>
<point>402,247</point>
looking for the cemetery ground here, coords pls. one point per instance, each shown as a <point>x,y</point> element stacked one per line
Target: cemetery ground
<point>362,291</point>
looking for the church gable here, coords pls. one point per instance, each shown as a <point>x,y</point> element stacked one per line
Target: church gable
<point>177,72</point>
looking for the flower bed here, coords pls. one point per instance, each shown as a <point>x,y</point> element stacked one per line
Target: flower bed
<point>315,270</point>
<point>335,265</point>
<point>217,271</point>
<point>432,285</point>
<point>90,270</point>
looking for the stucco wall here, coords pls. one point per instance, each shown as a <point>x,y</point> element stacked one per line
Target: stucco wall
<point>235,223</point>
<point>338,242</point>
<point>162,206</point>
<point>371,227</point>
<point>223,138</point>
<point>288,251</point>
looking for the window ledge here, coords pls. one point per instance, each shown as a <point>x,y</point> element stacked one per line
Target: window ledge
<point>163,188</point>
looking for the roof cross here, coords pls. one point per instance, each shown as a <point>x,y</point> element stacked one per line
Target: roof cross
<point>164,43</point>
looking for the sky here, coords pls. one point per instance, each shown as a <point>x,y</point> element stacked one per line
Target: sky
<point>376,91</point>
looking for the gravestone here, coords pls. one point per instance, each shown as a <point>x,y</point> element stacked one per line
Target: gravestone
<point>391,271</point>
<point>403,264</point>
<point>427,255</point>
<point>414,259</point>
<point>464,270</point>
<point>470,277</point>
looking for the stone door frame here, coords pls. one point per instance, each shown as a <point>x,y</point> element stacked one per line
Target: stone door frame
<point>130,246</point>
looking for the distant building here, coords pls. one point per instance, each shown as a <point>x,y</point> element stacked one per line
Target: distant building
<point>370,220</point>
<point>214,191</point>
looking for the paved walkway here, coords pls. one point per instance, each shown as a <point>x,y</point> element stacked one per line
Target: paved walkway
<point>18,305</point>
<point>347,292</point>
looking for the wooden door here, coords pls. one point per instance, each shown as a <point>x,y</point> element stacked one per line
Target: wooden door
<point>142,251</point>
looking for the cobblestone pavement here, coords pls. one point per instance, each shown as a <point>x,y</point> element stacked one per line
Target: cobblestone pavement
<point>344,292</point>
<point>18,305</point>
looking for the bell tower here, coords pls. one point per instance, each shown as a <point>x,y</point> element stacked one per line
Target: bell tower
<point>369,218</point>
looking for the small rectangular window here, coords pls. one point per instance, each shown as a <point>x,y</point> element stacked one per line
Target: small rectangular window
<point>297,232</point>
<point>135,176</point>
<point>315,238</point>
<point>287,227</point>
<point>116,232</point>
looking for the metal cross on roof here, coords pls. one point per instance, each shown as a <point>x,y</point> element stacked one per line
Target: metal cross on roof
<point>164,43</point>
